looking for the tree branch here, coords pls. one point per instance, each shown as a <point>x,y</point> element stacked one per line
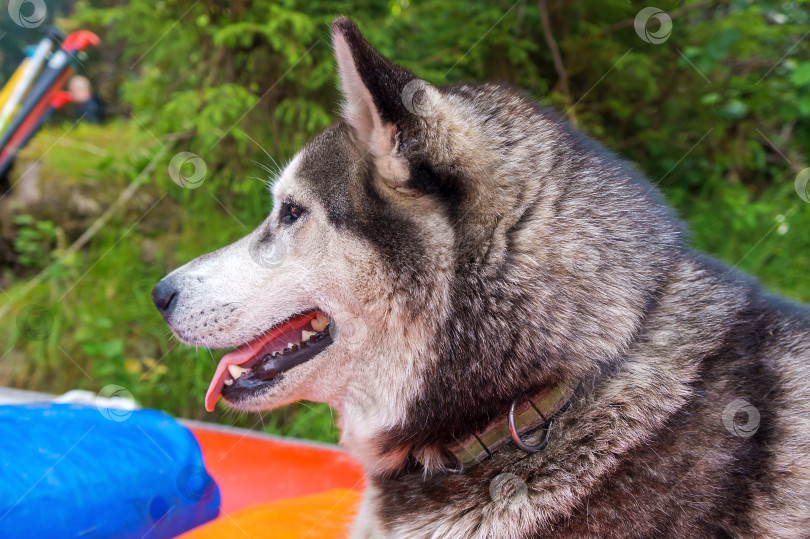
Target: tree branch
<point>555,54</point>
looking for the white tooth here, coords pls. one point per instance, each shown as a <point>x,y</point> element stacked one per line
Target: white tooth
<point>305,335</point>
<point>289,345</point>
<point>228,382</point>
<point>320,322</point>
<point>236,371</point>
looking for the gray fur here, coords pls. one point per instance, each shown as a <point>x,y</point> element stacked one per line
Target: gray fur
<point>508,251</point>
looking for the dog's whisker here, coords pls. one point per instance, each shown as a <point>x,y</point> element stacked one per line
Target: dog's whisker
<point>267,169</point>
<point>264,150</point>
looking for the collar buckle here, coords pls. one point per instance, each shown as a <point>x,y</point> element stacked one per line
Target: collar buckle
<point>538,411</point>
<point>528,448</point>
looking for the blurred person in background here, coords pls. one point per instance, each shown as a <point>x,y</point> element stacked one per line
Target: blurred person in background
<point>89,106</point>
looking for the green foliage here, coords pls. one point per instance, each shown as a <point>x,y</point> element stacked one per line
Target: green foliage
<point>716,116</point>
<point>35,240</point>
<point>229,69</point>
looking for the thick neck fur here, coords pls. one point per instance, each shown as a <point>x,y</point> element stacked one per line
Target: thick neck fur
<point>552,277</point>
<point>619,409</point>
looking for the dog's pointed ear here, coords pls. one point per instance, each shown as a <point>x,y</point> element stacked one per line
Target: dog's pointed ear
<point>373,89</point>
<point>371,84</point>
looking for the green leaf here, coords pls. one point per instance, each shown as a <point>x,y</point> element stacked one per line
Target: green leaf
<point>801,75</point>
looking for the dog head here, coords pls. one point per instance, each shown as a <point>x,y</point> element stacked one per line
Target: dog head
<point>428,258</point>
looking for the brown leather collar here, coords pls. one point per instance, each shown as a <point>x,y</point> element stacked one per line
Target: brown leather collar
<point>523,417</point>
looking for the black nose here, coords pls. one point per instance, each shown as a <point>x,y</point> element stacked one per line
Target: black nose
<point>164,295</point>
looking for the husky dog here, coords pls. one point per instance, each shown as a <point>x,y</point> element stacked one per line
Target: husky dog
<point>511,325</point>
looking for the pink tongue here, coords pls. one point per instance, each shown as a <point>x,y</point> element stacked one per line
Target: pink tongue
<point>240,355</point>
<point>245,353</point>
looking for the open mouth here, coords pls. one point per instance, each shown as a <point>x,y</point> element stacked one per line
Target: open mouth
<point>258,364</point>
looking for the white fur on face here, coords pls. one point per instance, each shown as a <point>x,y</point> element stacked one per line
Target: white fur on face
<point>232,296</point>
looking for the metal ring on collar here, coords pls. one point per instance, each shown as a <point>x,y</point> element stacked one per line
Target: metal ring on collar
<point>516,435</point>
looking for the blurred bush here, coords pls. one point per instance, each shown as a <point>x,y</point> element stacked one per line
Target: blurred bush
<point>716,114</point>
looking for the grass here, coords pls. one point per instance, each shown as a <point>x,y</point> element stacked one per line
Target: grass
<point>764,235</point>
<point>105,330</point>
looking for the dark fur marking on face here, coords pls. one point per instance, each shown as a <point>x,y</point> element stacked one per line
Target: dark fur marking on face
<point>425,179</point>
<point>342,177</point>
<point>326,166</point>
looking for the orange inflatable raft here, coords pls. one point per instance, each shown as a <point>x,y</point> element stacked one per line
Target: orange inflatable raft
<point>277,487</point>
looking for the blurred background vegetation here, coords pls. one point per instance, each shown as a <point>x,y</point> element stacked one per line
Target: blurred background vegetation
<point>716,115</point>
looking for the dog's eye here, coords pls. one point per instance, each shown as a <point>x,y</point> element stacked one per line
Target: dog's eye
<point>290,212</point>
